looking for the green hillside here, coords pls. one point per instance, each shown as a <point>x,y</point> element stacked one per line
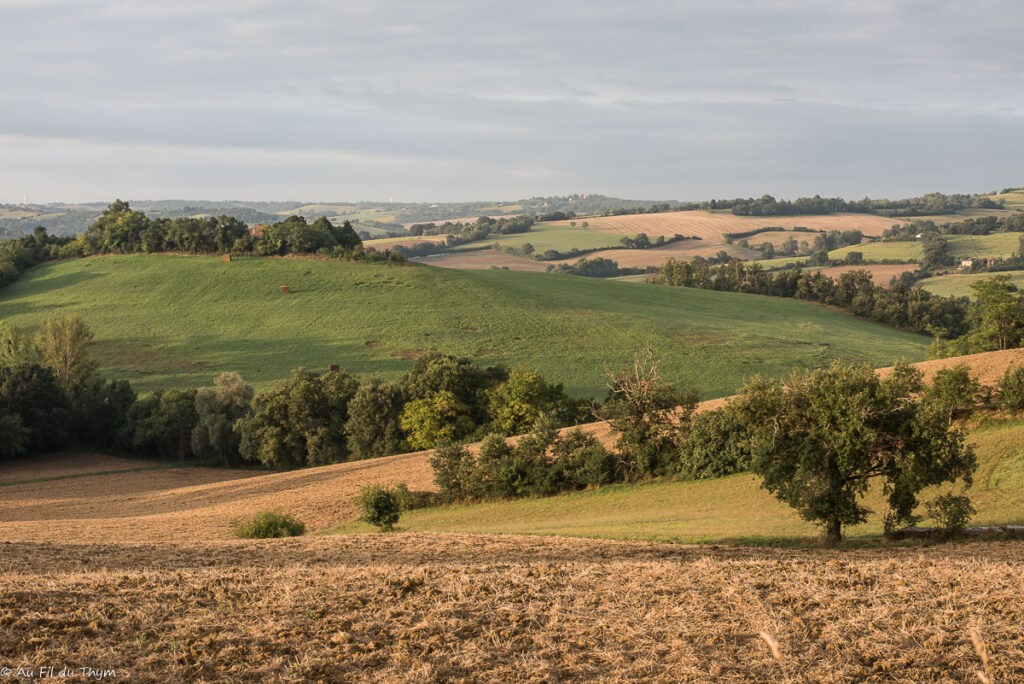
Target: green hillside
<point>959,284</point>
<point>176,320</point>
<point>729,509</point>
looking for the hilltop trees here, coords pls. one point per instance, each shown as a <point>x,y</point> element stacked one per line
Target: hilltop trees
<point>818,439</point>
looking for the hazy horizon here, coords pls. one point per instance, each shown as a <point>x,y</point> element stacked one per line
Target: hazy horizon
<point>493,101</point>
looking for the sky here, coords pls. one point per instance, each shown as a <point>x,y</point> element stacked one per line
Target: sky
<point>460,100</point>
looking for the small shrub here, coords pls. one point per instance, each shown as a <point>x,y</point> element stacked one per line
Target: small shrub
<point>381,506</point>
<point>952,512</point>
<point>268,525</point>
<point>1011,389</point>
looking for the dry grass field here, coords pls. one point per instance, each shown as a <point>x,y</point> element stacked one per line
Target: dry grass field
<point>106,566</point>
<point>413,608</point>
<point>484,259</point>
<point>711,226</point>
<point>881,274</point>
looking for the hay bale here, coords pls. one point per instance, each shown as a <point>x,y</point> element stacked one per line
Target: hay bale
<point>285,289</point>
<point>226,258</point>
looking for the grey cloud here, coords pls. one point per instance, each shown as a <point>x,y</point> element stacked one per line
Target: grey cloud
<point>648,99</point>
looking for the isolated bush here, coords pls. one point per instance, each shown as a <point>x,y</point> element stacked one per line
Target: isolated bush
<point>381,506</point>
<point>1011,389</point>
<point>268,525</point>
<point>952,512</point>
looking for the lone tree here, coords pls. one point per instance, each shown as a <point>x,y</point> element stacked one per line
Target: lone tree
<point>818,439</point>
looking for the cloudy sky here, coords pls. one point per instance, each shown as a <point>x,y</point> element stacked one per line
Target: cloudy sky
<point>473,99</point>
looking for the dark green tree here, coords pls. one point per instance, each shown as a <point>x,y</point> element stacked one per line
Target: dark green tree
<point>164,423</point>
<point>373,427</point>
<point>218,408</point>
<point>818,439</point>
<point>300,421</point>
<point>31,392</point>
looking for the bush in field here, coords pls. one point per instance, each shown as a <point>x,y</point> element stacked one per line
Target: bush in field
<point>952,512</point>
<point>268,525</point>
<point>1011,389</point>
<point>381,506</point>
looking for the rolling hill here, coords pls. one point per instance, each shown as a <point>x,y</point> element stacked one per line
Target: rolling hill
<point>177,321</point>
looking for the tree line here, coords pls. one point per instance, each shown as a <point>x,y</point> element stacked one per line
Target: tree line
<point>816,440</point>
<point>930,204</point>
<point>993,320</point>
<point>52,398</point>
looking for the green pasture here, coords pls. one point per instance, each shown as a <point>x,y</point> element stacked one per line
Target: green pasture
<point>164,320</point>
<point>959,284</point>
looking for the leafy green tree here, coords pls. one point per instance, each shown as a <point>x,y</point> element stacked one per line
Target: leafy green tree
<point>374,420</point>
<point>380,505</point>
<point>646,412</point>
<point>818,439</point>
<point>31,392</point>
<point>62,342</point>
<point>16,346</point>
<point>953,392</point>
<point>218,408</point>
<point>14,436</point>
<point>713,446</point>
<point>436,419</point>
<point>1000,311</point>
<point>118,229</point>
<point>300,421</point>
<point>519,401</point>
<point>102,410</point>
<point>164,423</point>
<point>1011,389</point>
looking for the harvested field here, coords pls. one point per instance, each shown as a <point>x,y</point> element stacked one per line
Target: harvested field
<point>987,367</point>
<point>477,608</point>
<point>405,241</point>
<point>881,274</point>
<point>484,259</point>
<point>657,256</point>
<point>190,503</point>
<point>711,226</point>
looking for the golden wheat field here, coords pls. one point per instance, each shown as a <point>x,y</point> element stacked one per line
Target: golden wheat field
<point>115,564</point>
<point>712,226</point>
